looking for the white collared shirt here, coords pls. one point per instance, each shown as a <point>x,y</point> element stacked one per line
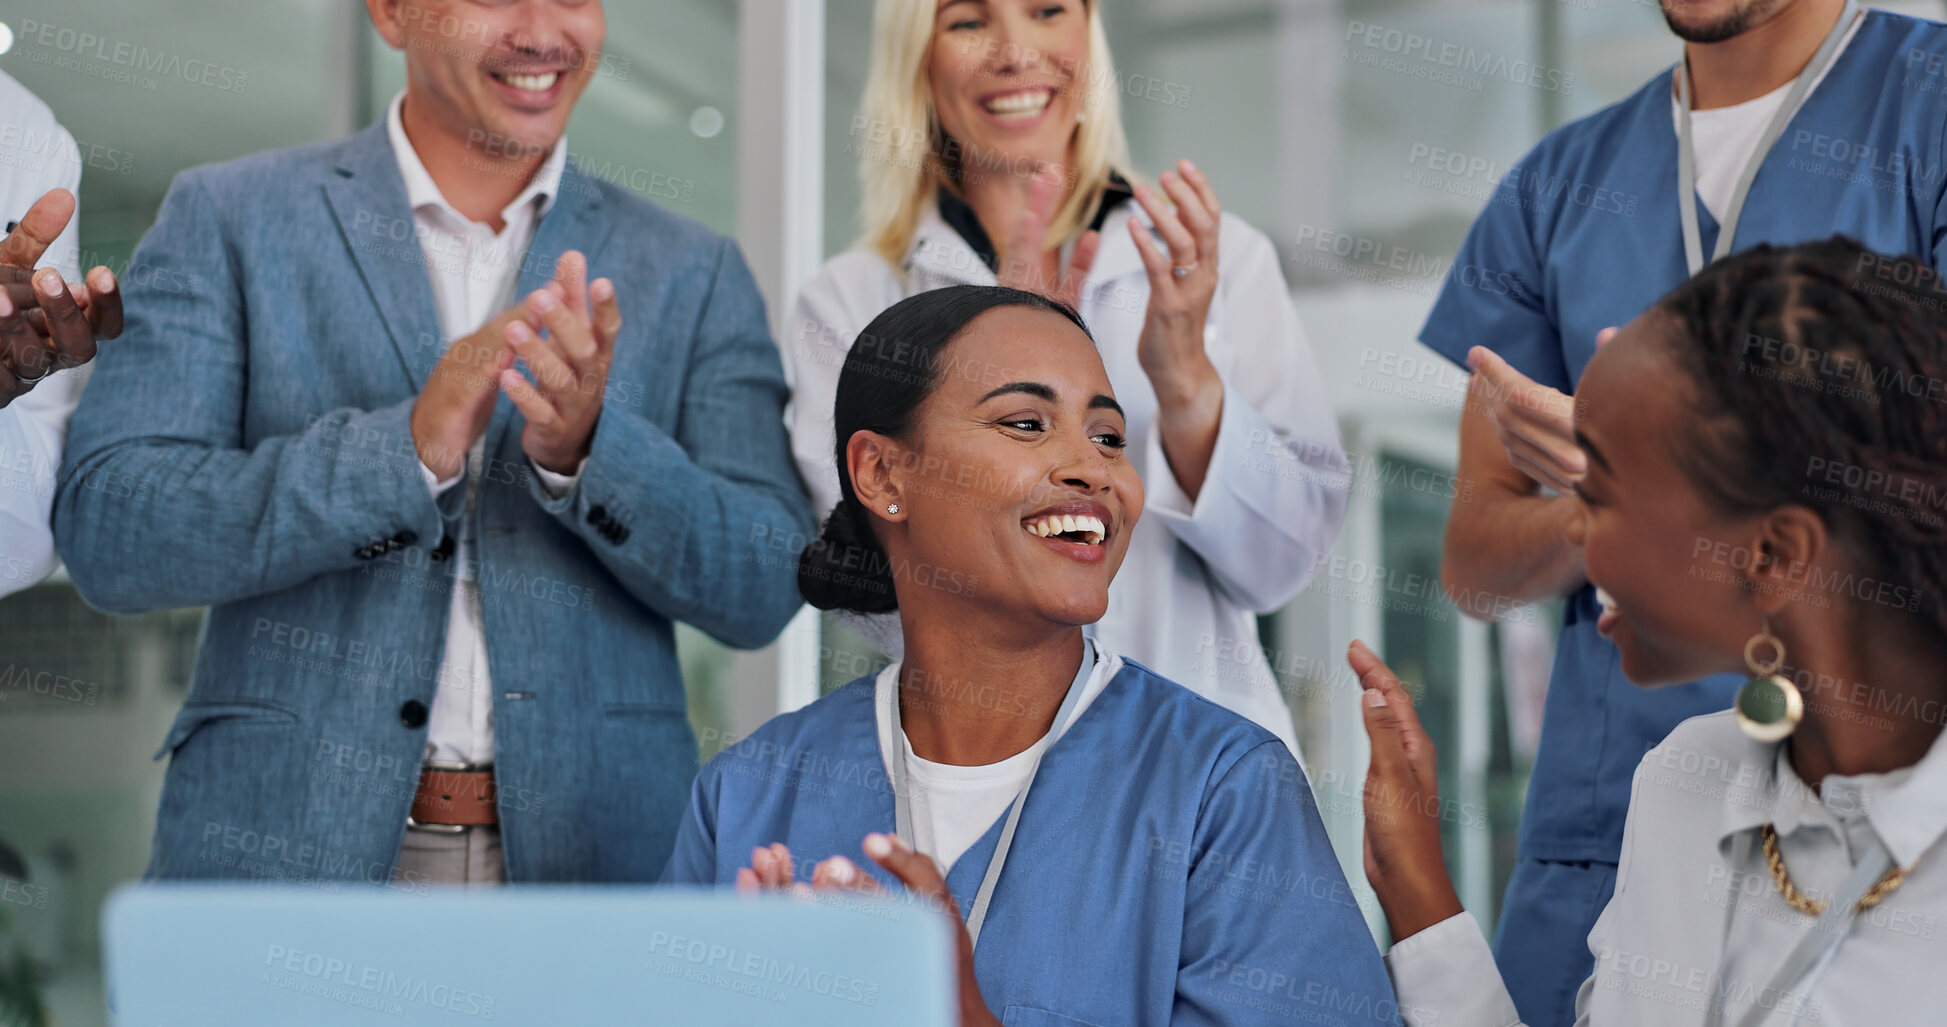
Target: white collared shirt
<point>1197,573</point>
<point>473,271</point>
<point>1687,929</point>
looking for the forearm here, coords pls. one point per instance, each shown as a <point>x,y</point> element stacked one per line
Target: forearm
<point>1505,548</point>
<point>1272,502</point>
<point>701,546</point>
<point>1189,409</point>
<point>155,522</point>
<point>1504,541</point>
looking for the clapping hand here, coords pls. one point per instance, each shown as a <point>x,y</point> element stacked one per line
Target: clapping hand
<point>1022,266</point>
<point>771,869</point>
<point>1403,860</point>
<point>46,323</point>
<point>570,364</point>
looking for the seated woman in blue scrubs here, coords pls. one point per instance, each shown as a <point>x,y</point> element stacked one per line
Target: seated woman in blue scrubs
<point>1767,493</point>
<point>1126,851</point>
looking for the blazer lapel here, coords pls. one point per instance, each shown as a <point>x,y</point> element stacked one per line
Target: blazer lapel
<point>573,222</point>
<point>369,199</point>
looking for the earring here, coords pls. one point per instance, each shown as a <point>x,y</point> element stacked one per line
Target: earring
<point>892,508</point>
<point>1768,706</point>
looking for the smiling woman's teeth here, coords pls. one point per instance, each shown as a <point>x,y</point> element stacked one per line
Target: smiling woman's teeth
<point>1019,103</point>
<point>531,83</point>
<point>1607,601</point>
<point>1088,530</point>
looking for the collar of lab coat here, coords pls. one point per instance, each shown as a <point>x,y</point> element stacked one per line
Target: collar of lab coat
<point>940,250</point>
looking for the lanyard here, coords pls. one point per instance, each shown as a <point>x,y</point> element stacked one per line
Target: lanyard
<point>1693,247</point>
<point>1808,959</point>
<point>903,813</point>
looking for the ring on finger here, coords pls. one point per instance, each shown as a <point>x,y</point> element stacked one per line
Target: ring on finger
<point>1183,270</point>
<point>47,370</point>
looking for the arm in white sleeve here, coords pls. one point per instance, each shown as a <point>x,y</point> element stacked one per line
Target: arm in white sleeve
<point>816,339</point>
<point>826,319</point>
<point>33,426</point>
<point>1446,975</point>
<point>31,429</point>
<point>1274,496</point>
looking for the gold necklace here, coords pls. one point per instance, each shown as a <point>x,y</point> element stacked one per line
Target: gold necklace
<point>1895,877</point>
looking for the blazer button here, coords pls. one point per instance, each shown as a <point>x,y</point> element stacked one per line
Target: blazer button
<point>597,514</point>
<point>406,538</point>
<point>413,714</point>
<point>444,550</point>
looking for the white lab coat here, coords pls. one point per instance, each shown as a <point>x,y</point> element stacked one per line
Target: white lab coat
<point>1197,574</point>
<point>36,155</point>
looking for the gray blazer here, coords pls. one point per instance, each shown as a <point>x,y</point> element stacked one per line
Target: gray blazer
<point>245,446</point>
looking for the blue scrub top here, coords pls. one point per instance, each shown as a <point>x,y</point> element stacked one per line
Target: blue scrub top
<point>1170,866</point>
<point>1584,233</point>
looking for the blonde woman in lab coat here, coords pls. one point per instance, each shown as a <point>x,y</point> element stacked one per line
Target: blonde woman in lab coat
<point>991,150</point>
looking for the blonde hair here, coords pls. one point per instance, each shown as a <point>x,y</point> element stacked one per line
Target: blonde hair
<point>901,165</point>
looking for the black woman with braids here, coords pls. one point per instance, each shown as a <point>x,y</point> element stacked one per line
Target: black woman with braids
<point>1767,452</point>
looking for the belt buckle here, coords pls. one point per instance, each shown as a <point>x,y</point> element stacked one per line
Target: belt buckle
<point>450,766</point>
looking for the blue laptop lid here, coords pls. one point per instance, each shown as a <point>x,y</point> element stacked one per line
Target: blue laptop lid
<point>199,954</point>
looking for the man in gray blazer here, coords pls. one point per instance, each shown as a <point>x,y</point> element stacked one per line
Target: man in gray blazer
<point>447,435</point>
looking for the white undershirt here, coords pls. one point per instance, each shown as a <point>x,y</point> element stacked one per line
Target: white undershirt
<point>473,272</point>
<point>1723,138</point>
<point>953,806</point>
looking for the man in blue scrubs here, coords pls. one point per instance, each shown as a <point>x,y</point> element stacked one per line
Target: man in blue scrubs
<point>1803,118</point>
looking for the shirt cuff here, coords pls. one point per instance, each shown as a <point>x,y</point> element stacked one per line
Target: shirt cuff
<point>557,485</point>
<point>1446,974</point>
<point>434,483</point>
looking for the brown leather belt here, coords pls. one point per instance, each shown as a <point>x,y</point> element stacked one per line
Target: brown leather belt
<point>456,798</point>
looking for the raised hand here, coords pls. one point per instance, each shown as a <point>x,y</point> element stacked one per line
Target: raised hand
<point>1403,860</point>
<point>923,880</point>
<point>1536,424</point>
<point>1182,282</point>
<point>1024,265</point>
<point>570,364</point>
<point>46,323</point>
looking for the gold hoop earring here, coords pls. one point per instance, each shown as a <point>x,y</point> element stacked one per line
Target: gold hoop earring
<point>1768,706</point>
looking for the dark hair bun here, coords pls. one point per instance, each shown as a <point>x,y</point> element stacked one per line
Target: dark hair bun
<point>845,569</point>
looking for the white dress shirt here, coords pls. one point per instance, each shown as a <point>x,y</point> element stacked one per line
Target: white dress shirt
<point>473,272</point>
<point>954,805</point>
<point>1198,573</point>
<point>1688,931</point>
<point>36,155</point>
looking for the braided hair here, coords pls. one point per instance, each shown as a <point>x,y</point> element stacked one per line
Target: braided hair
<point>890,370</point>
<point>1821,380</point>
